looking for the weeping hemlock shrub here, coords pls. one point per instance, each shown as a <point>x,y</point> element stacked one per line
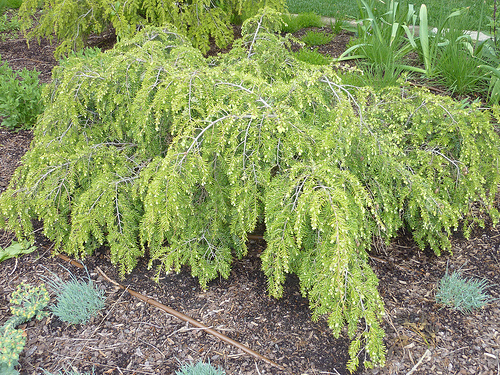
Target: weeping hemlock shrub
<point>72,21</point>
<point>150,146</point>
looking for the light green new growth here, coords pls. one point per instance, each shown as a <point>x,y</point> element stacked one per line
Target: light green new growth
<point>71,21</point>
<point>151,146</point>
<point>8,21</point>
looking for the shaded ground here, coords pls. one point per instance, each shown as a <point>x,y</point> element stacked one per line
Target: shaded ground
<point>131,337</point>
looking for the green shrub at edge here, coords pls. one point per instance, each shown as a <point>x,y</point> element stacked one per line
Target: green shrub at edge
<point>27,303</point>
<point>20,97</point>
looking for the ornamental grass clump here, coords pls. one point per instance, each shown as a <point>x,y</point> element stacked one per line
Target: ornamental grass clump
<point>77,300</point>
<point>150,147</point>
<point>462,294</point>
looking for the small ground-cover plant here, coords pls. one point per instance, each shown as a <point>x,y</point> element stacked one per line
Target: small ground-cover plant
<point>315,38</point>
<point>77,300</point>
<point>199,368</point>
<point>461,293</point>
<point>27,302</point>
<point>15,249</point>
<point>9,22</point>
<point>20,97</point>
<point>293,23</point>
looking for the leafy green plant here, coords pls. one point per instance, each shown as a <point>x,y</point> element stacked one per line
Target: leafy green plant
<point>386,36</point>
<point>27,302</point>
<point>314,38</point>
<point>71,21</point>
<point>151,146</point>
<point>20,97</point>
<point>293,23</point>
<point>77,300</point>
<point>462,294</point>
<point>9,23</point>
<point>200,368</point>
<point>312,56</point>
<point>15,249</point>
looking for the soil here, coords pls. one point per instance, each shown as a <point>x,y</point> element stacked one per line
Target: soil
<point>133,337</point>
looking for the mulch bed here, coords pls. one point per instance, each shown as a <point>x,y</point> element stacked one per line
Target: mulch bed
<point>132,337</point>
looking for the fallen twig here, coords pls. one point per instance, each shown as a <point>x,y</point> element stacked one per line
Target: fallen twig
<point>177,314</point>
<point>191,321</point>
<point>70,261</point>
<point>427,352</point>
<point>429,88</point>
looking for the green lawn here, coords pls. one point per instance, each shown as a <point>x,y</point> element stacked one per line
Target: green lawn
<point>10,4</point>
<point>437,9</point>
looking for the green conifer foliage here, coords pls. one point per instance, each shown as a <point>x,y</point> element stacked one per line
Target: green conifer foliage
<point>72,21</point>
<point>150,146</point>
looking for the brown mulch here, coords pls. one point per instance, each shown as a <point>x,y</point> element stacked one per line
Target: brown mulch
<point>132,337</point>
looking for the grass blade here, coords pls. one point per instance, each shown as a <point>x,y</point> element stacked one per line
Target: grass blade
<point>424,38</point>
